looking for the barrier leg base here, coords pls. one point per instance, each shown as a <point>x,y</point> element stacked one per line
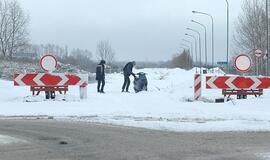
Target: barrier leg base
<point>83,92</point>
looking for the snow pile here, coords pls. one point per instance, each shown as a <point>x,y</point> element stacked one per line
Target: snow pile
<point>264,156</point>
<point>167,105</point>
<point>4,140</point>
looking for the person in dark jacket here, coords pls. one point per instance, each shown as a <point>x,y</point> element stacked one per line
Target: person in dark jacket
<point>127,72</point>
<point>100,76</point>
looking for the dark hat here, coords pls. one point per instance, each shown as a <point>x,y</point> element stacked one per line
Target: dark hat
<point>102,62</point>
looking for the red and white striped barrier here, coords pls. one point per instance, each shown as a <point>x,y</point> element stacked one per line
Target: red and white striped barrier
<point>237,82</point>
<point>197,86</point>
<point>53,79</point>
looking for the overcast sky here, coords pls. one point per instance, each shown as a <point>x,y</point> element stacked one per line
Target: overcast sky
<point>148,30</point>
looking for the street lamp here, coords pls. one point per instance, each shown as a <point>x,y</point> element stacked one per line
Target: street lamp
<point>267,38</point>
<point>213,49</point>
<point>200,46</point>
<point>191,44</point>
<point>228,21</point>
<point>196,46</point>
<point>205,41</point>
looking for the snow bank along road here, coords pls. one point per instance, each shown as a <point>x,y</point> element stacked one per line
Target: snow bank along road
<point>165,106</point>
<point>55,140</point>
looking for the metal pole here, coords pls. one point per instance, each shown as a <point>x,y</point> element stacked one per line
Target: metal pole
<point>213,55</point>
<point>200,46</point>
<point>205,41</point>
<point>196,47</point>
<point>228,21</point>
<point>267,45</point>
<point>213,42</point>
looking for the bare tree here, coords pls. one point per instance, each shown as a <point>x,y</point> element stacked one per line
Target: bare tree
<point>251,26</point>
<point>183,60</point>
<point>13,27</point>
<point>4,20</point>
<point>105,52</point>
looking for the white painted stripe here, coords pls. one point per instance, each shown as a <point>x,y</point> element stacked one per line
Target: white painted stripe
<point>19,78</point>
<point>197,80</point>
<point>256,84</point>
<point>230,84</point>
<point>211,84</point>
<point>37,79</point>
<point>64,79</point>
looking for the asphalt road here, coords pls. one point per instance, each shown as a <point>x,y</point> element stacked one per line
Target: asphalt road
<point>54,140</point>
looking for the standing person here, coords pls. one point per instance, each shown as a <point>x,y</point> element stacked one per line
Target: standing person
<point>100,76</point>
<point>127,72</point>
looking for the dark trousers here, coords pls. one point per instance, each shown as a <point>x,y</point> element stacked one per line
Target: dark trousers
<point>101,84</point>
<point>126,83</point>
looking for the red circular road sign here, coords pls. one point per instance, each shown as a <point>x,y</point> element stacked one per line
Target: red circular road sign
<point>48,63</point>
<point>242,63</point>
<point>258,53</point>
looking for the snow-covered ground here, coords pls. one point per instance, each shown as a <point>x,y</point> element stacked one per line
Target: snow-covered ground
<point>165,106</point>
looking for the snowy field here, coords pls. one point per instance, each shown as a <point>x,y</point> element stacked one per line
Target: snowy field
<point>166,106</point>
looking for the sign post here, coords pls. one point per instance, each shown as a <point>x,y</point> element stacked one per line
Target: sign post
<point>258,54</point>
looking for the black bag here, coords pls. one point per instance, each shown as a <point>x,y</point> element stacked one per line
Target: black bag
<point>140,83</point>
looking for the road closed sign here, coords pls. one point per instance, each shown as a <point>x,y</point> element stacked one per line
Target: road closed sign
<point>242,63</point>
<point>48,63</point>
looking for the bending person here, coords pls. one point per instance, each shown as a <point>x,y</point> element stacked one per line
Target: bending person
<point>127,72</point>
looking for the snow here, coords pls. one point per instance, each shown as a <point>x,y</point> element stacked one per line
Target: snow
<point>166,106</point>
<point>264,156</point>
<point>5,140</point>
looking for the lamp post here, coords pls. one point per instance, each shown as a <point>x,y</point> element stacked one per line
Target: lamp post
<point>228,21</point>
<point>205,41</point>
<point>196,46</point>
<point>267,38</point>
<point>213,42</point>
<point>200,46</point>
<point>191,55</point>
